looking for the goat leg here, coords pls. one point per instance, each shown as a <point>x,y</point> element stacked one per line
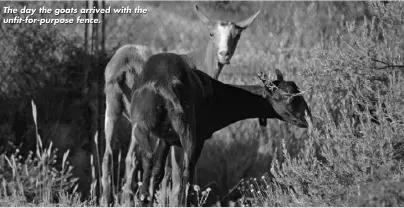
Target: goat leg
<point>112,113</point>
<point>161,154</point>
<point>147,160</point>
<point>129,167</point>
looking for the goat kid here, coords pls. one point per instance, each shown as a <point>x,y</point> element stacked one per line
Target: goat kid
<point>183,106</point>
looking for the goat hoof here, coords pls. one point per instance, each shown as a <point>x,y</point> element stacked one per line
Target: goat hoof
<point>142,197</point>
<point>145,198</point>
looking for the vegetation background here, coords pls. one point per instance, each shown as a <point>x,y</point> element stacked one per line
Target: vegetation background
<point>346,56</point>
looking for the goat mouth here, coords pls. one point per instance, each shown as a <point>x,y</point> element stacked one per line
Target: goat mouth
<point>224,61</point>
<point>302,124</point>
<point>298,122</point>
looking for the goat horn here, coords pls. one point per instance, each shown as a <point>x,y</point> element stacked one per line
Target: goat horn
<point>262,76</point>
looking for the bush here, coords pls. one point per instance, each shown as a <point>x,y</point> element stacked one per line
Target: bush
<point>34,179</point>
<point>354,143</point>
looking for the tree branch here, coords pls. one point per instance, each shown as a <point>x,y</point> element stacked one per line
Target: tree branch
<point>388,65</point>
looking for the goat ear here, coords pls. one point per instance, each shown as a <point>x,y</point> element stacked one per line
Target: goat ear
<point>264,92</point>
<point>279,75</point>
<point>247,22</point>
<point>276,95</point>
<point>202,16</point>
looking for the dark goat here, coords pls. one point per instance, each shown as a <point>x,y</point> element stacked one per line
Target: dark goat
<point>127,63</point>
<point>183,106</point>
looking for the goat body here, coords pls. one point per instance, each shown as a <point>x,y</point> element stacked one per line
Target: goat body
<point>183,106</point>
<point>169,89</point>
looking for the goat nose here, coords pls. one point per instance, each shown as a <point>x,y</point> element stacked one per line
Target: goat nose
<point>224,53</point>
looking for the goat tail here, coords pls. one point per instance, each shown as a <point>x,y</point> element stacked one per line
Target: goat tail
<point>169,94</point>
<point>155,104</point>
<point>128,58</point>
<point>126,90</point>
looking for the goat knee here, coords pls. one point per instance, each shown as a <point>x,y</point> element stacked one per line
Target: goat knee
<point>105,158</point>
<point>128,160</point>
<point>158,173</point>
<point>185,174</point>
<point>149,155</point>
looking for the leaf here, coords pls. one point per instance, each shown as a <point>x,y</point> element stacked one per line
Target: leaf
<point>34,114</point>
<point>64,159</point>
